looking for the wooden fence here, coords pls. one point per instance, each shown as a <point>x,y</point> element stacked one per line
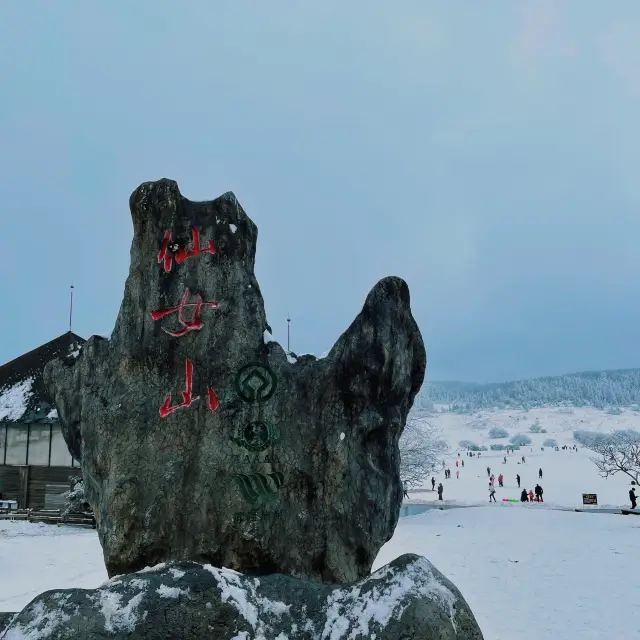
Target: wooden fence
<point>49,516</point>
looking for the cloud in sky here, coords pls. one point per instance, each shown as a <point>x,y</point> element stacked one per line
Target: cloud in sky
<point>488,154</point>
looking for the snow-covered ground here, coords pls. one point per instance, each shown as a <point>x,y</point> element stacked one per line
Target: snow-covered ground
<point>38,557</point>
<point>530,574</point>
<point>566,474</point>
<point>528,571</point>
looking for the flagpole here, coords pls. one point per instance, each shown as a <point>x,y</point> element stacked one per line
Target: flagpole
<point>70,307</point>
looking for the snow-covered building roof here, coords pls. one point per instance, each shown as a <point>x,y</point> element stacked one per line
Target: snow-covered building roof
<point>23,397</point>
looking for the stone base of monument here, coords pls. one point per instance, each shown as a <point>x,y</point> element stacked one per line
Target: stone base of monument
<point>405,600</point>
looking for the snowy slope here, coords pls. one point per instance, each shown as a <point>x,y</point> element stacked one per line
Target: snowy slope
<point>566,474</point>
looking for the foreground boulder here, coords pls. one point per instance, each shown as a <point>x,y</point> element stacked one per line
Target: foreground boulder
<point>408,599</point>
<point>201,439</point>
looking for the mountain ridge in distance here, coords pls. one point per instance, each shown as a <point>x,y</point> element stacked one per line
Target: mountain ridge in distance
<point>611,388</point>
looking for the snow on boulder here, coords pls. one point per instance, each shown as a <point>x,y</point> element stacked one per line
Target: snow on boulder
<point>408,598</point>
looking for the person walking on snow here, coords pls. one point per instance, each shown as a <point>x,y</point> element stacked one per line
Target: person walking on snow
<point>539,493</point>
<point>500,479</point>
<point>463,463</point>
<point>457,475</point>
<point>633,498</point>
<point>522,459</point>
<point>540,473</point>
<point>492,478</point>
<point>456,463</point>
<point>433,483</point>
<point>523,496</point>
<point>404,489</point>
<point>530,495</point>
<point>492,493</point>
<point>440,490</point>
<point>518,479</point>
<point>488,471</point>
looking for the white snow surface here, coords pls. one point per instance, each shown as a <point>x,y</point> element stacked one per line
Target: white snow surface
<point>53,414</point>
<point>566,475</point>
<point>530,574</point>
<point>13,399</point>
<point>528,571</point>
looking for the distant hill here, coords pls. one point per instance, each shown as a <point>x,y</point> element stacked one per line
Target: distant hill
<point>599,389</point>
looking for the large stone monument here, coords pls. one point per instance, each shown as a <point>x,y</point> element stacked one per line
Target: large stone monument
<point>202,441</point>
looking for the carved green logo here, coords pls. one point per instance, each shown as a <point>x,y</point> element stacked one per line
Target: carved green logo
<point>257,436</point>
<point>255,383</point>
<point>258,487</point>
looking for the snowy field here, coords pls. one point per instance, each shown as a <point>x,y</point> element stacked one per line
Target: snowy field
<point>533,575</point>
<point>566,474</point>
<point>528,571</point>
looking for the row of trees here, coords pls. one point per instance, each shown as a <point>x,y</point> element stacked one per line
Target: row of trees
<point>600,389</point>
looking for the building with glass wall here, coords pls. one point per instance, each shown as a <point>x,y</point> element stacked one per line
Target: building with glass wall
<point>35,463</point>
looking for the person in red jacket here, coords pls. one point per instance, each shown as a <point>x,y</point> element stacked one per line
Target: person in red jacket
<point>530,495</point>
<point>500,479</point>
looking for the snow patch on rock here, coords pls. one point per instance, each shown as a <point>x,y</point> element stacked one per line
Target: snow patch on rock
<point>350,610</point>
<point>165,591</point>
<point>119,617</point>
<point>42,625</point>
<point>252,607</point>
<point>157,567</point>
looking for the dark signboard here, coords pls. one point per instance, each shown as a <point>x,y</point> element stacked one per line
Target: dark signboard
<point>589,498</point>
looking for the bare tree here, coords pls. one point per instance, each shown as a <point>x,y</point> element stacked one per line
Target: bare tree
<point>421,448</point>
<point>617,453</point>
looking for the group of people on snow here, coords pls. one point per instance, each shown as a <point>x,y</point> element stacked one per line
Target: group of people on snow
<point>533,495</point>
<point>529,497</point>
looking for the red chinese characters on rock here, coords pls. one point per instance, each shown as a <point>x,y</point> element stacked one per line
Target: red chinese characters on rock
<point>170,249</point>
<point>187,395</point>
<point>188,325</point>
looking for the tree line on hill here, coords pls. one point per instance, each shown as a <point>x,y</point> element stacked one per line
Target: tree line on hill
<point>600,389</point>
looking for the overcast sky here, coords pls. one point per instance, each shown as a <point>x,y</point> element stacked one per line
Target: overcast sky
<point>488,153</point>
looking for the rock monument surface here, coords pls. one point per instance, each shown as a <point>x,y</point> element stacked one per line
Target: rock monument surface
<point>201,439</point>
